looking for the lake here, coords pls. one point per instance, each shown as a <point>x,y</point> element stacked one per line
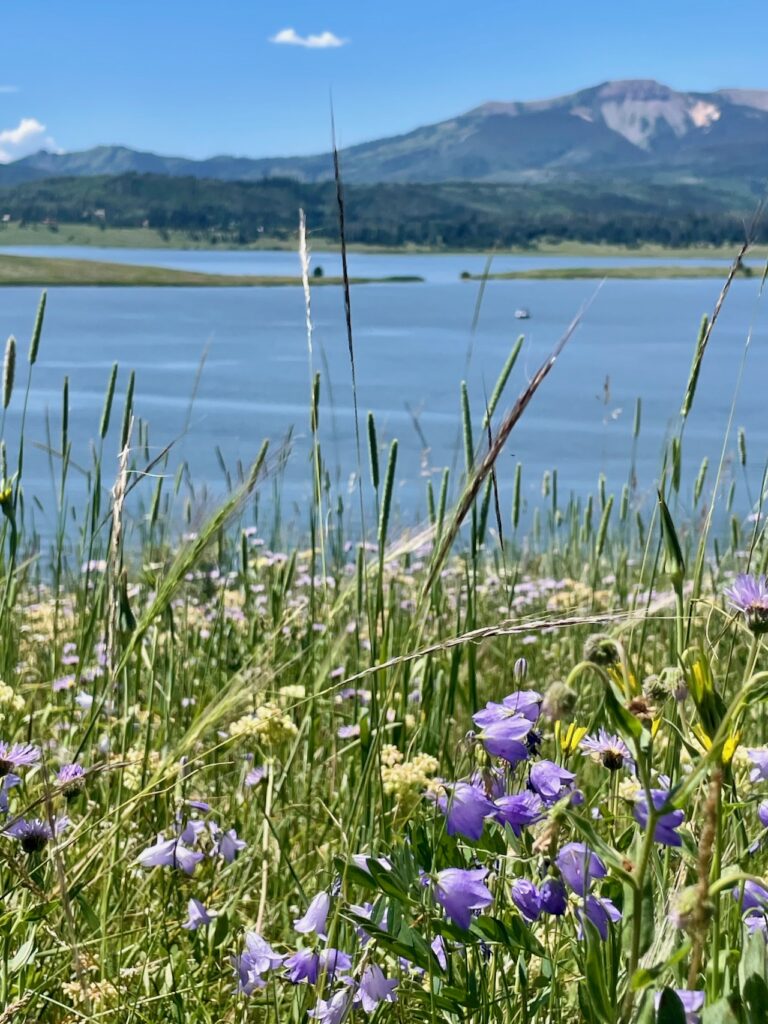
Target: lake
<point>413,346</point>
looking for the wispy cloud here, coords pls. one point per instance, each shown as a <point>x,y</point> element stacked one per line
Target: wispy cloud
<point>9,88</point>
<point>27,137</point>
<point>323,41</point>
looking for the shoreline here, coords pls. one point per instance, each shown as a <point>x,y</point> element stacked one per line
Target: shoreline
<point>146,238</point>
<point>40,271</point>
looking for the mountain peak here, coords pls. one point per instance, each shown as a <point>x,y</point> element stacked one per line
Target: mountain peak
<point>623,126</point>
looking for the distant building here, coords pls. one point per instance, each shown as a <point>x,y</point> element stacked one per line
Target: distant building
<point>100,214</point>
<point>6,218</point>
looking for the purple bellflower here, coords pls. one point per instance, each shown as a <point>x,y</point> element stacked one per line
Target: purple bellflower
<point>459,891</point>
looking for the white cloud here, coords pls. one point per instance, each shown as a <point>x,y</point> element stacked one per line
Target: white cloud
<point>27,137</point>
<point>9,88</point>
<point>324,41</point>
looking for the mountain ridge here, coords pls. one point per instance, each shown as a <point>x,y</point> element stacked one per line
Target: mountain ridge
<point>632,126</point>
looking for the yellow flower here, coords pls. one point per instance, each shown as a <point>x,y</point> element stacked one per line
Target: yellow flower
<point>269,724</point>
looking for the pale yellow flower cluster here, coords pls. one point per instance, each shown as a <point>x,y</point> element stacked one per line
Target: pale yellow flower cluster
<point>268,724</point>
<point>9,699</point>
<point>405,779</point>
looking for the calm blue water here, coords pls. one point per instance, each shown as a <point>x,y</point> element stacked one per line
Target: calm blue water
<point>412,346</point>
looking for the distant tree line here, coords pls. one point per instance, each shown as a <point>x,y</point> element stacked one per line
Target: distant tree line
<point>451,215</point>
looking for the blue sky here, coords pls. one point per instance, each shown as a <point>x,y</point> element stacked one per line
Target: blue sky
<point>198,77</point>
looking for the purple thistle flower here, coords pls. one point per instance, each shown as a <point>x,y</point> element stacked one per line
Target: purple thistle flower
<point>19,755</point>
<point>334,1010</point>
<point>303,965</point>
<point>749,594</point>
<point>554,899</point>
<point>348,732</point>
<point>759,758</point>
<point>526,898</point>
<point>612,751</point>
<point>579,867</point>
<point>35,834</point>
<point>71,780</point>
<point>548,780</point>
<point>665,830</point>
<point>170,853</point>
<point>315,917</point>
<point>519,810</point>
<point>755,896</point>
<point>375,988</point>
<point>255,776</point>
<point>198,915</point>
<point>466,807</point>
<point>505,737</point>
<point>601,912</point>
<point>460,891</point>
<point>692,1001</point>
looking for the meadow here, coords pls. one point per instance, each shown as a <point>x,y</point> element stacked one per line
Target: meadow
<point>472,772</point>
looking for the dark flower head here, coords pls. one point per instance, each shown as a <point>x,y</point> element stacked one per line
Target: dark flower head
<point>749,594</point>
<point>642,709</point>
<point>71,779</point>
<point>601,650</point>
<point>35,834</point>
<point>611,750</point>
<point>18,755</point>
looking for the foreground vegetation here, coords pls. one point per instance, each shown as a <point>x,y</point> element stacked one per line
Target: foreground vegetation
<point>478,773</point>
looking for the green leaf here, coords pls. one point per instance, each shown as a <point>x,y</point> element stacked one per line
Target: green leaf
<point>512,935</point>
<point>752,983</point>
<point>720,1012</point>
<point>647,975</point>
<point>603,1005</point>
<point>24,954</point>
<point>647,923</point>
